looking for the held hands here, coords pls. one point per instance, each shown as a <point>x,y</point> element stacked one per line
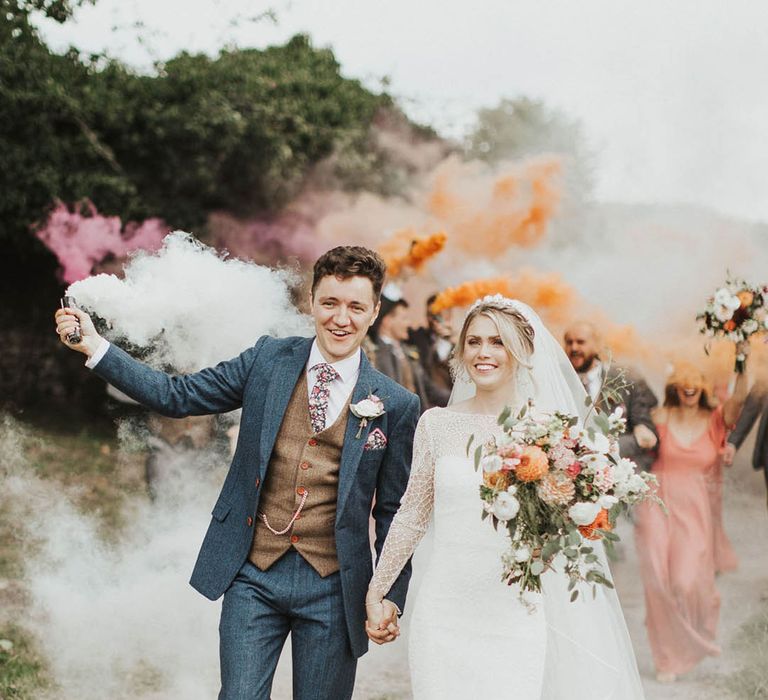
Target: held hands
<point>68,320</point>
<point>381,625</point>
<point>644,437</point>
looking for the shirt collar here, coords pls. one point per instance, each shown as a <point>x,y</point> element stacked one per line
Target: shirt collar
<point>347,368</point>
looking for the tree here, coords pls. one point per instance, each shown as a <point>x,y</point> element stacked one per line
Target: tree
<point>522,127</point>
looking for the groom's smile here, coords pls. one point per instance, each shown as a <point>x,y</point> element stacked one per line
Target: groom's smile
<point>343,310</point>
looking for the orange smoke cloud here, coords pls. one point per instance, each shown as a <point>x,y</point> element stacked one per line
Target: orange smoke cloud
<point>554,300</point>
<point>419,250</point>
<point>515,211</point>
<point>548,294</point>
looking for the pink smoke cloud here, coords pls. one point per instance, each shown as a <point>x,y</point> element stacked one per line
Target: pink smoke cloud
<point>82,238</point>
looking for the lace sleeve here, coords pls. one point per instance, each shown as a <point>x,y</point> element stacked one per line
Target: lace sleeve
<point>412,517</point>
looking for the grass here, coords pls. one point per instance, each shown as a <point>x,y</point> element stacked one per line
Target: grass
<point>751,680</point>
<point>23,673</point>
<point>89,464</point>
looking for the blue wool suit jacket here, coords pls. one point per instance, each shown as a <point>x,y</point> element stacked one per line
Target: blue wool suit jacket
<point>261,381</point>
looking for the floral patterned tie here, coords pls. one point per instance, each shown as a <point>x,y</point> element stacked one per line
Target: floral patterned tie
<point>318,397</point>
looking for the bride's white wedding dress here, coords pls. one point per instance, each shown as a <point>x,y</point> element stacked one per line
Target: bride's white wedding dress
<point>470,635</point>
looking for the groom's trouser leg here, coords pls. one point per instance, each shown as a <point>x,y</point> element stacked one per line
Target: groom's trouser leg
<point>255,622</point>
<point>323,664</point>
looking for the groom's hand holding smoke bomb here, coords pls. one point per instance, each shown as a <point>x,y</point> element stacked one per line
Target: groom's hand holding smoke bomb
<point>71,322</point>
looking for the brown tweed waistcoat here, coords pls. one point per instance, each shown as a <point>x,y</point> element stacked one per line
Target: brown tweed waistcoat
<point>301,461</point>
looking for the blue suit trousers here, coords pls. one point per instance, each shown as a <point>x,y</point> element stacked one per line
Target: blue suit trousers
<point>261,608</point>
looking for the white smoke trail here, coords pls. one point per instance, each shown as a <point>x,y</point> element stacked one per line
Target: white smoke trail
<point>190,305</point>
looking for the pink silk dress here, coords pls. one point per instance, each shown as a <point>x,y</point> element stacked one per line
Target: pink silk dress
<point>677,551</point>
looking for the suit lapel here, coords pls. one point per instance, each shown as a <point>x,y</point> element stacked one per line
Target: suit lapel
<point>352,450</point>
<point>288,366</point>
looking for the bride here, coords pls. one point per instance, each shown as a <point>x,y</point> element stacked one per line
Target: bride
<point>470,635</point>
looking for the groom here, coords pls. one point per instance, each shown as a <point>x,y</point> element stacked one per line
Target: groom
<point>288,545</point>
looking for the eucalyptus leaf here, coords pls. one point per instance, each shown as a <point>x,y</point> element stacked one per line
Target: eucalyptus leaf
<point>469,444</point>
<point>574,538</point>
<point>574,595</point>
<point>504,415</point>
<point>537,568</point>
<point>478,456</point>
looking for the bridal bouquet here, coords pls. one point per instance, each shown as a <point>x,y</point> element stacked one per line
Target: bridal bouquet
<point>735,312</point>
<point>556,487</point>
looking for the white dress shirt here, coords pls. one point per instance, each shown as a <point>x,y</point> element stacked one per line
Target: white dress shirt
<point>592,380</point>
<point>339,389</point>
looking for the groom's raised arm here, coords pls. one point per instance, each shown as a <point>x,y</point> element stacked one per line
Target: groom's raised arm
<point>212,390</point>
<point>391,485</point>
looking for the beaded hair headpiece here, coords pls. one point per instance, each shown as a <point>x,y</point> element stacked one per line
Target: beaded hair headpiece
<point>496,300</point>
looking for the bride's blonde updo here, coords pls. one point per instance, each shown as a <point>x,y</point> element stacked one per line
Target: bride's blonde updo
<point>515,331</point>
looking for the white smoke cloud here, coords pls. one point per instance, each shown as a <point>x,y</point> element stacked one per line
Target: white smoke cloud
<point>191,305</point>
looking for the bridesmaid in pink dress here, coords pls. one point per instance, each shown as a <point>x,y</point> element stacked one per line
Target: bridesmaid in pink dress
<point>677,550</point>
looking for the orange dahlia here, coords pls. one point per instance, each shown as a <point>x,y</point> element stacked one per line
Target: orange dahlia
<point>496,480</point>
<point>601,522</point>
<point>533,464</point>
<point>556,488</point>
<point>730,325</point>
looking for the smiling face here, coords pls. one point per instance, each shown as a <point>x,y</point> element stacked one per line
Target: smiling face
<point>487,361</point>
<point>688,395</point>
<point>581,346</point>
<point>343,310</point>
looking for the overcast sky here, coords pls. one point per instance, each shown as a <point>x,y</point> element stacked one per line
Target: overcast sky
<point>673,96</point>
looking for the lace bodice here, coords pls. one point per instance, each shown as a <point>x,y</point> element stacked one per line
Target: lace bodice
<point>440,432</point>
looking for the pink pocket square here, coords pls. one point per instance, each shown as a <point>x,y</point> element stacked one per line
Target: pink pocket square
<point>376,440</point>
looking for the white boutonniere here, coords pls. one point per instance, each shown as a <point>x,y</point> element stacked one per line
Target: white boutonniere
<point>366,410</point>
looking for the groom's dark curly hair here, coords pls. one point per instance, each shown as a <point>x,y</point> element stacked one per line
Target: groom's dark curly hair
<point>351,261</point>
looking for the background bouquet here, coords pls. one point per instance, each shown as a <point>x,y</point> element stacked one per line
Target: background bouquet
<point>735,312</point>
<point>557,487</point>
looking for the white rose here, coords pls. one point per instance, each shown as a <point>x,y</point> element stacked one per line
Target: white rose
<point>584,513</point>
<point>607,501</point>
<point>723,313</point>
<point>750,326</point>
<point>491,463</point>
<point>522,554</point>
<point>506,506</point>
<point>367,408</point>
<point>722,295</point>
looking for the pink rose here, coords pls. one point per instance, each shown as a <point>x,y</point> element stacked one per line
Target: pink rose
<point>574,469</point>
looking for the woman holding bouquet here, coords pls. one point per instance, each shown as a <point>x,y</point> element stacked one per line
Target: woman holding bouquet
<point>471,635</point>
<point>677,549</point>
